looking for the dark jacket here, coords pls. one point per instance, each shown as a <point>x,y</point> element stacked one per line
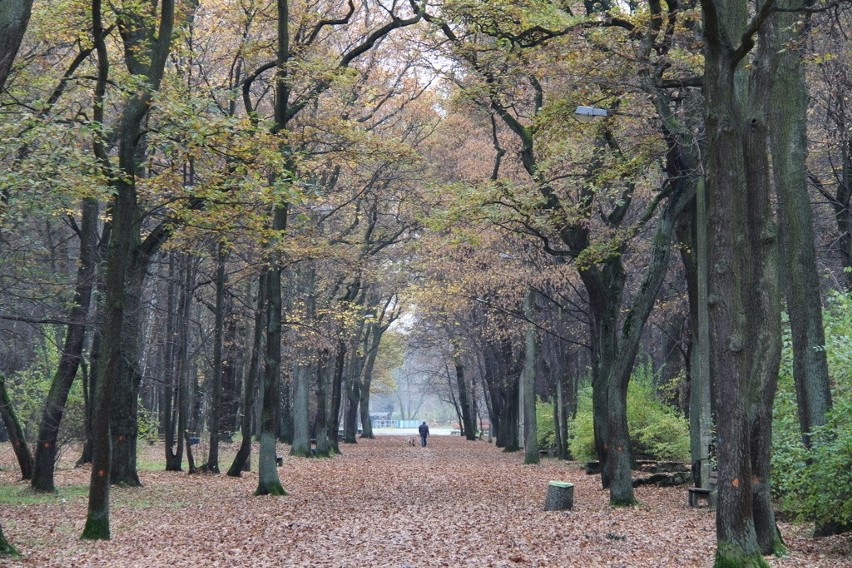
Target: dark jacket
<point>424,429</point>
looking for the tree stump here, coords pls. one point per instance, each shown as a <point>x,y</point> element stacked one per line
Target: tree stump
<point>560,496</point>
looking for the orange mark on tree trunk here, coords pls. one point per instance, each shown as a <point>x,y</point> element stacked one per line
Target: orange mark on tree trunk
<point>735,482</point>
<point>101,473</point>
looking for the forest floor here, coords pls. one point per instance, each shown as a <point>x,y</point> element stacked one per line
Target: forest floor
<point>383,503</point>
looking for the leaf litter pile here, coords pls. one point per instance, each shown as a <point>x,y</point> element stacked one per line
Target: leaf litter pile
<point>382,503</point>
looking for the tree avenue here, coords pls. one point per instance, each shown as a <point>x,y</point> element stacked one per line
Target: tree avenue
<point>282,222</point>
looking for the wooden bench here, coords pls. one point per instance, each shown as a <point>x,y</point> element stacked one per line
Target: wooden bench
<point>699,494</point>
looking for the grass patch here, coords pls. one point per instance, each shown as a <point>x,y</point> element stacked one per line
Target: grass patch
<point>14,495</point>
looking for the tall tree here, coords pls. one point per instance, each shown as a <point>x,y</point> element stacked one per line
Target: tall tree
<point>125,229</point>
<point>787,121</point>
<point>220,309</point>
<point>615,338</point>
<point>528,380</point>
<point>743,289</point>
<point>72,350</point>
<point>250,386</point>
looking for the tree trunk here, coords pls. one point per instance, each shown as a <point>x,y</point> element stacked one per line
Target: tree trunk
<point>511,415</point>
<point>16,433</point>
<point>468,416</point>
<point>14,18</point>
<point>87,382</point>
<point>324,447</point>
<point>171,400</point>
<point>123,226</point>
<point>268,480</point>
<point>528,376</point>
<point>301,407</point>
<point>604,352</point>
<point>216,384</point>
<point>788,134</point>
<point>285,405</point>
<point>124,424</point>
<point>302,368</point>
<point>183,371</point>
<point>374,334</point>
<point>742,293</point>
<point>336,395</point>
<point>364,408</point>
<point>145,59</point>
<point>230,382</point>
<point>353,392</point>
<point>352,381</point>
<point>250,386</point>
<point>692,234</point>
<point>69,362</point>
<point>6,549</point>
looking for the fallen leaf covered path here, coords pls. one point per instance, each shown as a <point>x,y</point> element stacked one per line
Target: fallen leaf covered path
<point>382,503</point>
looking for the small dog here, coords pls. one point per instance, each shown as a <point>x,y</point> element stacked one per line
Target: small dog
<point>412,441</point>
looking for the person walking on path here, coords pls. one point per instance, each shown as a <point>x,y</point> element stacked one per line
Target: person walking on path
<point>424,433</point>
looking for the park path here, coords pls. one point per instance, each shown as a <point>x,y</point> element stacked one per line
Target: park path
<point>383,503</point>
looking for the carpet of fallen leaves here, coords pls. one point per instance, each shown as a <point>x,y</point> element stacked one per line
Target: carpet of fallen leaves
<point>382,503</point>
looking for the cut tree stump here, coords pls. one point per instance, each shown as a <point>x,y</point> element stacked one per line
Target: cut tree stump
<point>560,496</point>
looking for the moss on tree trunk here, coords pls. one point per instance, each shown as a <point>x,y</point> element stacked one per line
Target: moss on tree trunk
<point>6,549</point>
<point>732,556</point>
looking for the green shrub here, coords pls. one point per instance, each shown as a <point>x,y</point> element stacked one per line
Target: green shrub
<point>148,423</point>
<point>545,426</point>
<point>656,430</point>
<point>816,484</point>
<point>28,390</point>
<point>581,432</point>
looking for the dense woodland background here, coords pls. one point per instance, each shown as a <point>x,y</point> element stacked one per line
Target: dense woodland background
<point>233,220</point>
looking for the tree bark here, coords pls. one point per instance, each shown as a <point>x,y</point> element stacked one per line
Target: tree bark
<point>323,378</point>
<point>216,383</point>
<point>301,407</point>
<point>374,337</point>
<point>250,384</point>
<point>302,368</point>
<point>787,115</point>
<point>124,424</point>
<point>743,291</point>
<point>125,232</point>
<point>353,390</point>
<point>268,480</point>
<point>333,424</point>
<point>6,549</point>
<point>528,376</point>
<point>230,382</point>
<point>171,398</point>
<point>123,220</point>
<point>69,362</point>
<point>16,432</point>
<point>14,18</point>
